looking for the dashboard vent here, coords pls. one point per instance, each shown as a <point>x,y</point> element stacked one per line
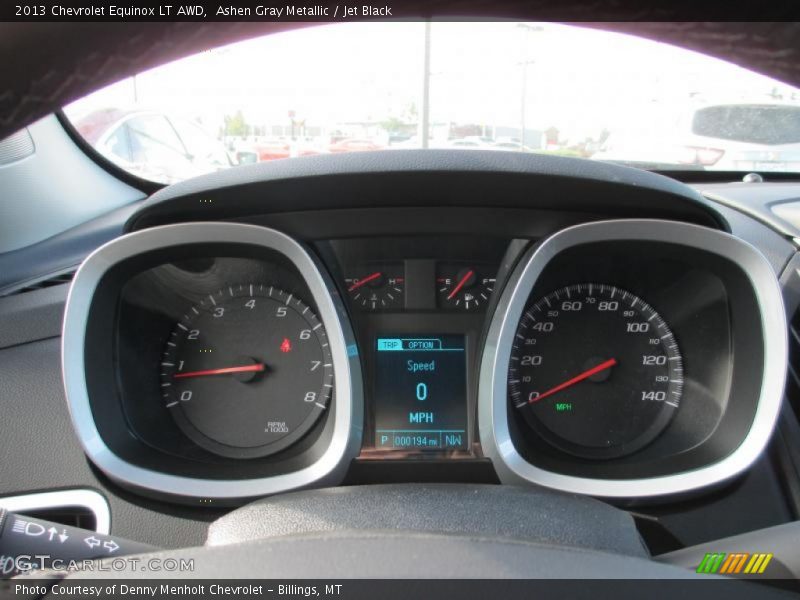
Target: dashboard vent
<point>16,147</point>
<point>47,282</point>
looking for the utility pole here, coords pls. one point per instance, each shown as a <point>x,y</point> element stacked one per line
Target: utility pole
<point>527,30</point>
<point>426,88</point>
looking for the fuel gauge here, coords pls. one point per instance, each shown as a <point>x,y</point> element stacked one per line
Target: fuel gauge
<point>377,287</point>
<point>464,287</point>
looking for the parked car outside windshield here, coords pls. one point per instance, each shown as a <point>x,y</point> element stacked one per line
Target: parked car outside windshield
<point>725,137</point>
<point>152,144</point>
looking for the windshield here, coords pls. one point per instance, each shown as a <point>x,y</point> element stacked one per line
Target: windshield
<point>518,87</point>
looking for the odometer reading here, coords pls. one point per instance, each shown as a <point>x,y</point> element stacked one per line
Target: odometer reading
<point>248,371</point>
<point>595,371</point>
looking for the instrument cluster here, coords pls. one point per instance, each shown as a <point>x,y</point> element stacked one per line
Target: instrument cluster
<point>228,361</point>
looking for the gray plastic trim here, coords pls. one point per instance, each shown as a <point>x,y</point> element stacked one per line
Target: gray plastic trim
<point>73,191</point>
<point>348,411</point>
<point>89,499</point>
<point>789,212</point>
<point>756,200</point>
<point>492,396</point>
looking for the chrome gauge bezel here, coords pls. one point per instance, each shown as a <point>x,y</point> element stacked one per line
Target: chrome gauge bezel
<point>496,438</point>
<point>347,414</point>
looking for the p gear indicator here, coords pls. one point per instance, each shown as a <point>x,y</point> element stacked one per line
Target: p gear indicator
<point>420,393</point>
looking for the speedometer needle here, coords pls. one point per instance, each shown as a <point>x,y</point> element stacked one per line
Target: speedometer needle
<point>257,368</point>
<point>577,379</point>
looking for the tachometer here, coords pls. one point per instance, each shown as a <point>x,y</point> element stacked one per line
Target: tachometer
<point>595,371</point>
<point>248,371</point>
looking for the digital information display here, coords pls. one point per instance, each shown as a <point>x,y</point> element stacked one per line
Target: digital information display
<point>420,393</point>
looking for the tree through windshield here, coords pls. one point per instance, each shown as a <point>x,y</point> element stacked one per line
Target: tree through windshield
<point>521,87</point>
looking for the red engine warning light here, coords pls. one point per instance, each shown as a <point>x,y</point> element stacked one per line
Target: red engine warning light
<point>286,345</point>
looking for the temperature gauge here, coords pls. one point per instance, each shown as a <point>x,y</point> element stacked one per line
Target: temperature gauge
<point>464,287</point>
<point>379,287</point>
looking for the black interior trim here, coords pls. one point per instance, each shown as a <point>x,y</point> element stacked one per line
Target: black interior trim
<point>427,178</point>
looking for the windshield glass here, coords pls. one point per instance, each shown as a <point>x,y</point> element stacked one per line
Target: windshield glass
<point>520,87</point>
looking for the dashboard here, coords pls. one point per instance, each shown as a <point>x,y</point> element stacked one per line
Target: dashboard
<point>507,319</point>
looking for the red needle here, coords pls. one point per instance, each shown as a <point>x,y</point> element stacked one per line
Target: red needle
<point>258,368</point>
<point>366,279</point>
<point>460,284</point>
<point>585,375</point>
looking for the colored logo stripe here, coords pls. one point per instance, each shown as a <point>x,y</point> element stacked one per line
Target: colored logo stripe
<point>758,563</point>
<point>711,562</point>
<point>734,563</point>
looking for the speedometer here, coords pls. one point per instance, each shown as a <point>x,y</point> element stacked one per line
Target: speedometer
<point>248,371</point>
<point>595,371</point>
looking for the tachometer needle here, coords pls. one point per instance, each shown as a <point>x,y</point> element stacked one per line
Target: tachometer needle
<point>577,379</point>
<point>257,368</point>
<point>461,284</point>
<point>363,281</point>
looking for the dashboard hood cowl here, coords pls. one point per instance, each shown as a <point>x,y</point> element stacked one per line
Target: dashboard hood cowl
<point>426,178</point>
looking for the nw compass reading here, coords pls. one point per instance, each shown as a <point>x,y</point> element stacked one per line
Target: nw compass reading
<point>420,393</point>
